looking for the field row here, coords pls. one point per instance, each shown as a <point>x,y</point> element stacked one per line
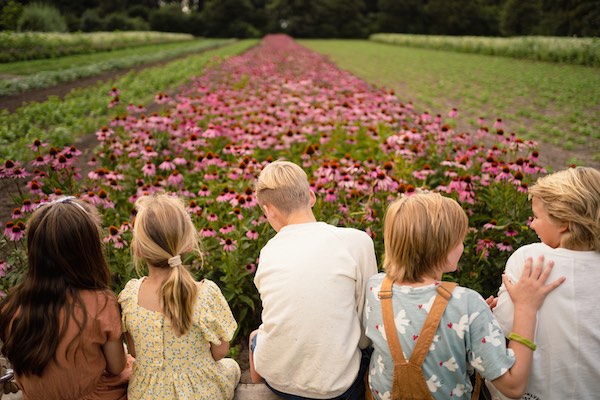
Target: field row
<point>36,45</point>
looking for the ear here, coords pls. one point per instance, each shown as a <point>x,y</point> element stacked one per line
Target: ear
<point>313,199</point>
<point>268,210</point>
<point>563,227</point>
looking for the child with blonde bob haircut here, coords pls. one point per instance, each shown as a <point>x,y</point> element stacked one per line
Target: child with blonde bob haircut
<point>311,278</point>
<point>423,239</point>
<point>178,328</point>
<point>566,218</point>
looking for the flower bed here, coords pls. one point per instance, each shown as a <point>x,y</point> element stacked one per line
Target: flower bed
<point>360,145</point>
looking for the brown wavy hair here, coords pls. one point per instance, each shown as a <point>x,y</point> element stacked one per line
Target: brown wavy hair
<point>64,256</point>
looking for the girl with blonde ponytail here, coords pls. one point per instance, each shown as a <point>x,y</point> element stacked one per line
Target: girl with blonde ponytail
<point>177,328</point>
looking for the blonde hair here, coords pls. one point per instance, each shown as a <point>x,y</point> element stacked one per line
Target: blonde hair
<point>572,196</point>
<point>284,185</point>
<point>162,232</point>
<point>420,230</point>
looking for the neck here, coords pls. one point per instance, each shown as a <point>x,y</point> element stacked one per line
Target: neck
<point>300,217</point>
<point>158,274</point>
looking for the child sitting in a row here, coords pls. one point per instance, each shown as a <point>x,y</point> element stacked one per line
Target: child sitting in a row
<point>178,329</point>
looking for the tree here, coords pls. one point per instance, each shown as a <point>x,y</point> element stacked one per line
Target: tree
<point>404,16</point>
<point>318,18</point>
<point>520,17</point>
<point>229,18</point>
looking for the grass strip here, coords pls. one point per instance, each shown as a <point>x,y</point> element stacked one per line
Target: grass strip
<point>572,50</point>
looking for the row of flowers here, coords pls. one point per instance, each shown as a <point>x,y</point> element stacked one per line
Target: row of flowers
<point>360,145</point>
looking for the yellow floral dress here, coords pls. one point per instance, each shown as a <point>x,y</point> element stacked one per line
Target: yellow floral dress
<point>171,367</point>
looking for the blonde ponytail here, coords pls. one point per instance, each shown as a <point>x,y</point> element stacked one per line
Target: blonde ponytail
<point>161,233</point>
<point>178,296</point>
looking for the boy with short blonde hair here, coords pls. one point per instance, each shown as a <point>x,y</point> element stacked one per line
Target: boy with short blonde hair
<point>311,278</point>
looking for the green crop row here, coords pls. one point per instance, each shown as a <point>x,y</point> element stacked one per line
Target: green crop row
<point>582,51</point>
<point>81,112</point>
<point>35,45</point>
<point>62,71</point>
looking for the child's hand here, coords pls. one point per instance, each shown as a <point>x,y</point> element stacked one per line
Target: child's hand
<point>491,302</point>
<point>531,289</point>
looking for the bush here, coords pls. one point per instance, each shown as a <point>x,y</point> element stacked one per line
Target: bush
<point>41,18</point>
<point>91,21</point>
<point>169,19</point>
<point>9,16</point>
<point>140,11</point>
<point>122,22</point>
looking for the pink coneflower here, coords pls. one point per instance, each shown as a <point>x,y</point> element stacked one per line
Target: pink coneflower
<point>204,191</point>
<point>490,225</point>
<point>252,234</point>
<point>504,246</point>
<point>27,206</point>
<point>37,145</point>
<point>175,179</point>
<point>208,232</point>
<point>238,213</point>
<point>227,229</point>
<point>483,246</point>
<point>212,217</point>
<point>149,169</point>
<point>228,244</point>
<point>16,232</point>
<point>511,233</point>
<point>8,228</point>
<point>453,113</point>
<point>40,161</point>
<point>498,125</point>
<point>331,196</point>
<point>4,268</point>
<point>167,165</point>
<point>194,208</point>
<point>16,213</point>
<point>250,268</point>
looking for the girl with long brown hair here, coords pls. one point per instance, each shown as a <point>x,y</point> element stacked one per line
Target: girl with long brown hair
<point>61,327</point>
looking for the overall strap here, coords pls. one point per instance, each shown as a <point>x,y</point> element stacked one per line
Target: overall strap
<point>385,295</point>
<point>409,381</point>
<point>432,322</point>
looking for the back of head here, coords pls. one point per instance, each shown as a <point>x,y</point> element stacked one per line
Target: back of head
<point>65,255</point>
<point>162,232</point>
<point>573,196</point>
<point>284,185</point>
<point>419,232</point>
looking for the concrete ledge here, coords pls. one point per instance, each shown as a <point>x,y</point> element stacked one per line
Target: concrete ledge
<point>248,391</point>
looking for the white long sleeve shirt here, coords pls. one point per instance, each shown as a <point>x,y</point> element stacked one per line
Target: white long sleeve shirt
<point>311,278</point>
<point>566,364</point>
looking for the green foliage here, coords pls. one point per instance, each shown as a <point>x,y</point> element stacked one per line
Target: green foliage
<point>520,17</point>
<point>41,17</point>
<point>228,18</point>
<point>9,15</point>
<point>69,69</point>
<point>33,46</point>
<point>328,18</point>
<point>583,51</point>
<point>91,21</point>
<point>120,21</point>
<point>169,19</point>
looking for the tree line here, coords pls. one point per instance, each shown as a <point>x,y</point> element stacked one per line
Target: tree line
<point>309,18</point>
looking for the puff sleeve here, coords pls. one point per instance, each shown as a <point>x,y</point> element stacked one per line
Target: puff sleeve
<point>213,314</point>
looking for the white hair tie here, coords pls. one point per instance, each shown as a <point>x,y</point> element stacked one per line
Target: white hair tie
<point>175,261</point>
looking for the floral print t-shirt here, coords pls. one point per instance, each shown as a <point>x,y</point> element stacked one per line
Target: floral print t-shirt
<point>468,337</point>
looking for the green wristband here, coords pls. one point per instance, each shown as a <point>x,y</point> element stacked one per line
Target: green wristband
<point>526,342</point>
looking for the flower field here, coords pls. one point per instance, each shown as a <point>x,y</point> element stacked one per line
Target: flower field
<point>360,145</point>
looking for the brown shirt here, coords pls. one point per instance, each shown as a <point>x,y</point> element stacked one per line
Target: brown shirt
<point>77,371</point>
